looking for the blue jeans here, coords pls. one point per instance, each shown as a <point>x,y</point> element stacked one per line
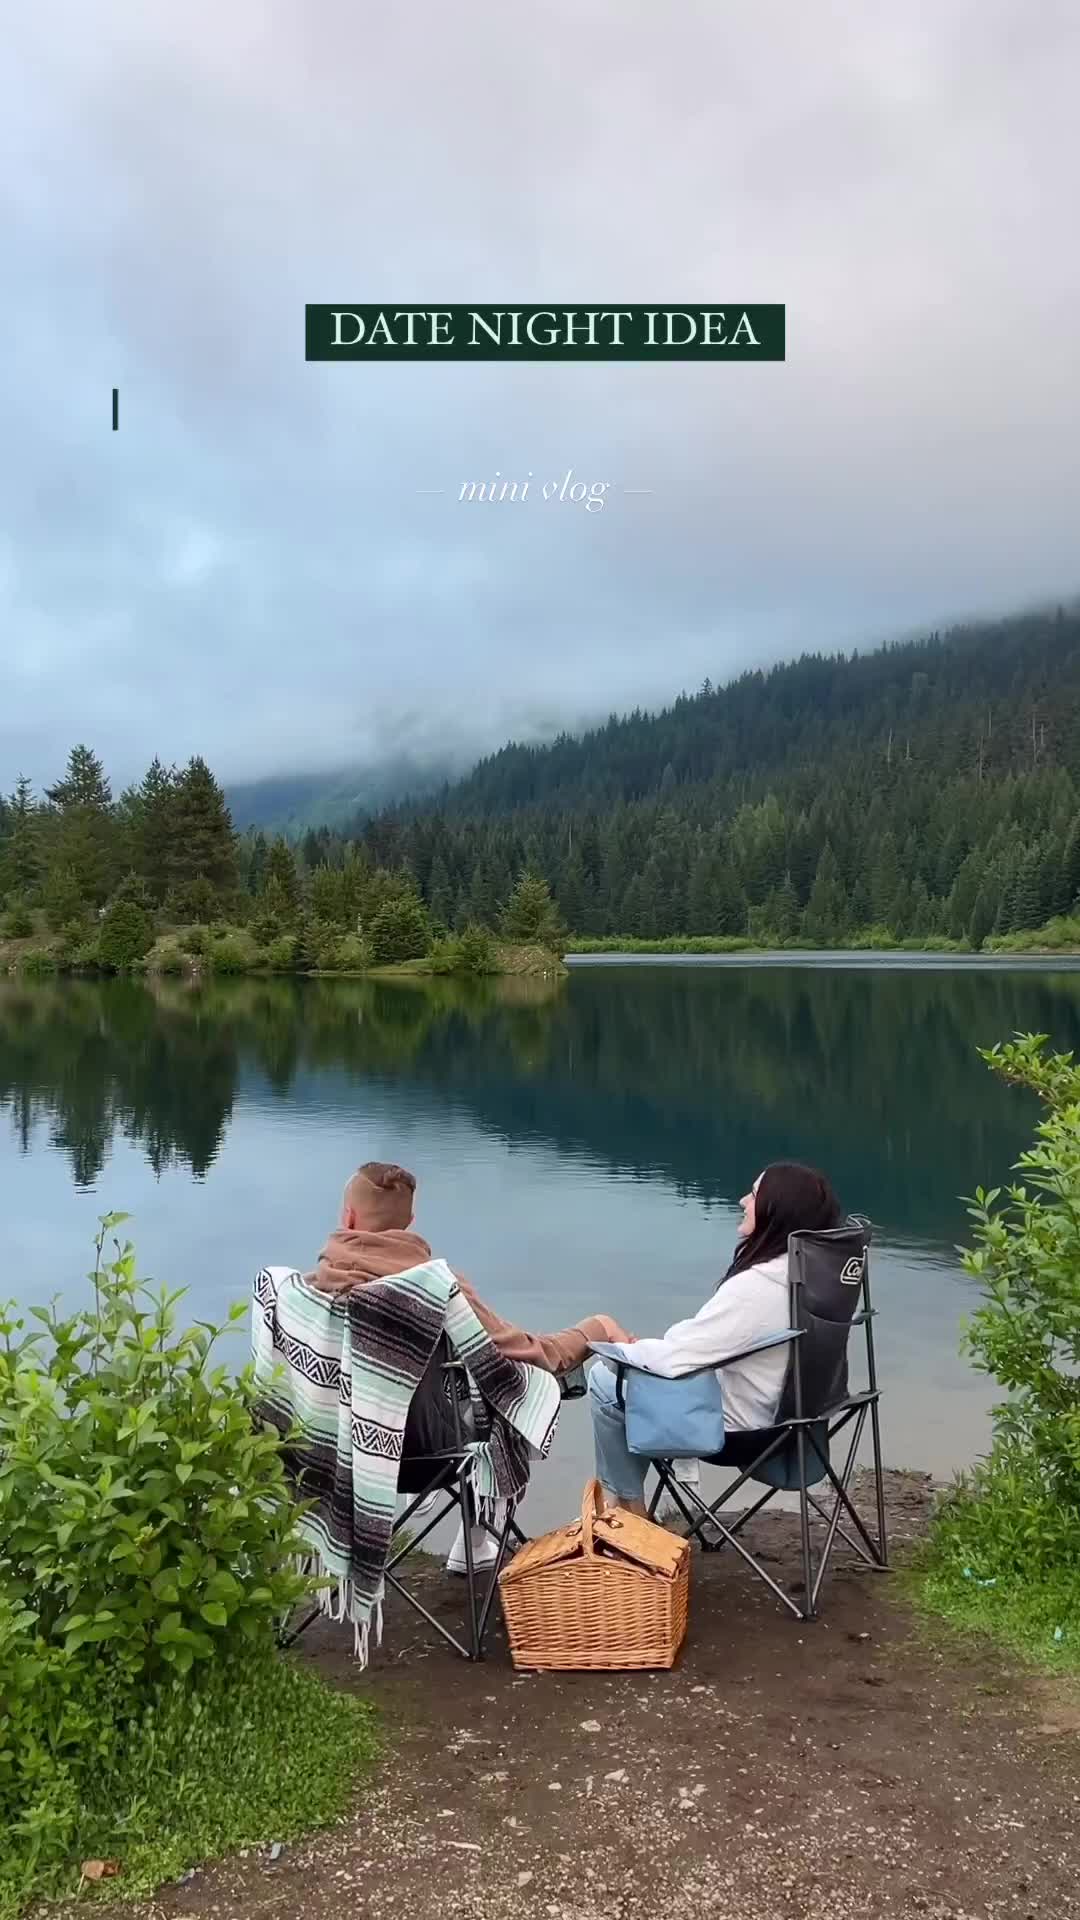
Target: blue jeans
<point>620,1472</point>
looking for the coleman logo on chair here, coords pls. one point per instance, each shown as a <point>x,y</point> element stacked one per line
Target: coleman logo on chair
<point>853,1272</point>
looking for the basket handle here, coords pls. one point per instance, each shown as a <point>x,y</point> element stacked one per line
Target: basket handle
<point>592,1508</point>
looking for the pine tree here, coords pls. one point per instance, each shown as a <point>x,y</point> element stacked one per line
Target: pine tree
<point>203,841</point>
<point>530,916</point>
<point>63,898</point>
<point>730,901</point>
<point>84,783</point>
<point>983,917</point>
<point>280,897</point>
<point>326,896</point>
<point>573,890</point>
<point>885,881</point>
<point>1026,905</point>
<point>154,827</point>
<point>1071,864</point>
<point>83,840</point>
<point>825,909</point>
<point>701,894</point>
<point>785,909</point>
<point>21,864</point>
<point>440,893</point>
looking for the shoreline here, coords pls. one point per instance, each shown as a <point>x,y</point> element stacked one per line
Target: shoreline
<point>1032,960</point>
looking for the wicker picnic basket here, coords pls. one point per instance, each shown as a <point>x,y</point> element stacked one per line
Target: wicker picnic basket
<point>611,1591</point>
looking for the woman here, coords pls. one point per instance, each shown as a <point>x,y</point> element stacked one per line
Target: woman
<point>750,1303</point>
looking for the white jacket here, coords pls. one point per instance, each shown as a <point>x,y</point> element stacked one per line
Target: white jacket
<point>745,1309</point>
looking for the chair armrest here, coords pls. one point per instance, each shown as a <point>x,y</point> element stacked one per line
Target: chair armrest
<point>607,1350</point>
<point>623,1364</point>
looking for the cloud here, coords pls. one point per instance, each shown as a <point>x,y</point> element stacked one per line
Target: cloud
<point>270,564</point>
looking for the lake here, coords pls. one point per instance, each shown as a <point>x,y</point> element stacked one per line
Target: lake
<point>580,1145</point>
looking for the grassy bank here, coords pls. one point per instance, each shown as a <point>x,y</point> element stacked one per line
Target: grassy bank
<point>1058,936</point>
<point>702,943</point>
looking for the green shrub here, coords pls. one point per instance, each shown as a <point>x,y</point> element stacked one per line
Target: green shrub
<point>349,953</point>
<point>37,961</point>
<point>196,941</point>
<point>124,937</point>
<point>167,957</point>
<point>282,953</point>
<point>400,930</point>
<point>18,921</point>
<point>148,1533</point>
<point>1014,1523</point>
<point>473,952</point>
<point>234,951</point>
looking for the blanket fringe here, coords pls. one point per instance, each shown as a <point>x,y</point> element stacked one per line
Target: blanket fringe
<point>340,1603</point>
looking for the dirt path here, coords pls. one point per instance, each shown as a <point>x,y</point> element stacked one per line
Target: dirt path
<point>819,1772</point>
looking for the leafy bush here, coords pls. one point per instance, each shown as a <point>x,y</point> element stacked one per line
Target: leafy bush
<point>473,952</point>
<point>1059,934</point>
<point>196,941</point>
<point>18,921</point>
<point>165,1539</point>
<point>347,953</point>
<point>167,956</point>
<point>234,951</point>
<point>282,953</point>
<point>1015,1522</point>
<point>125,936</point>
<point>400,930</point>
<point>37,960</point>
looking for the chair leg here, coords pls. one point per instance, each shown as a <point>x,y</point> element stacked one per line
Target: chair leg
<point>504,1541</point>
<point>879,1483</point>
<point>809,1589</point>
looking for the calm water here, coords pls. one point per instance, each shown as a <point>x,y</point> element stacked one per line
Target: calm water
<point>578,1147</point>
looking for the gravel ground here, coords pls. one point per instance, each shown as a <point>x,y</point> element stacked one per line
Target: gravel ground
<point>825,1771</point>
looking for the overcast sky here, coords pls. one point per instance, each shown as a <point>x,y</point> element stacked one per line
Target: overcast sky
<point>269,563</point>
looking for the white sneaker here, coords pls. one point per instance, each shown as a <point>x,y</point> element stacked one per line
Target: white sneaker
<point>688,1472</point>
<point>485,1546</point>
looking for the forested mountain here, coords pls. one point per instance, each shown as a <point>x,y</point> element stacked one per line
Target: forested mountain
<point>927,788</point>
<point>927,791</point>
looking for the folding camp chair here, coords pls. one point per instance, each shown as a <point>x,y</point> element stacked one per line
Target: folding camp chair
<point>435,1477</point>
<point>829,1294</point>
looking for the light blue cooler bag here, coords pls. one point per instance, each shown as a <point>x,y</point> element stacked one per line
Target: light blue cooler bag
<point>669,1419</point>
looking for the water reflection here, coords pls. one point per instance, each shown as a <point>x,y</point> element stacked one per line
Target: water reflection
<point>579,1146</point>
<point>694,1076</point>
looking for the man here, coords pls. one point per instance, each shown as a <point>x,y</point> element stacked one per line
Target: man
<point>375,1240</point>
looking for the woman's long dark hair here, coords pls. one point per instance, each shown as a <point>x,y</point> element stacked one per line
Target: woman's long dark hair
<point>790,1199</point>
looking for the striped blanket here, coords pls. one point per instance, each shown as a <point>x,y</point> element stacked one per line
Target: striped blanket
<point>335,1378</point>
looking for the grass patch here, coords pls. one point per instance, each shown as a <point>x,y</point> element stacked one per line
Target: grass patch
<point>258,1751</point>
<point>1023,1617</point>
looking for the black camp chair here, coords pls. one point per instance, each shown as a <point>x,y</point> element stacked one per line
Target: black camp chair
<point>829,1286</point>
<point>435,1467</point>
